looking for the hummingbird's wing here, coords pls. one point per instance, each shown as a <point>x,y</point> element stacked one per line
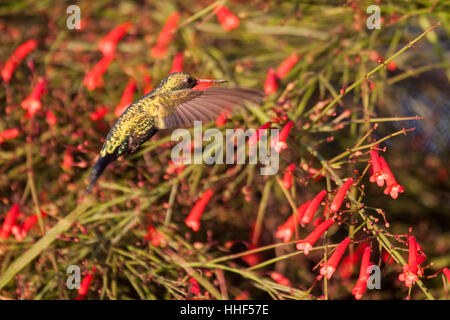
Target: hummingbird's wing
<point>182,107</point>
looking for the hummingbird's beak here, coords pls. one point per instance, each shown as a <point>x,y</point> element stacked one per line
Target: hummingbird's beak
<point>209,81</point>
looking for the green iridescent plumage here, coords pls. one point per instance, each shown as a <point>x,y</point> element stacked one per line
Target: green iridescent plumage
<point>174,103</point>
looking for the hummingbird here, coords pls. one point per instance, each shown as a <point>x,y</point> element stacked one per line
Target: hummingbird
<point>177,101</point>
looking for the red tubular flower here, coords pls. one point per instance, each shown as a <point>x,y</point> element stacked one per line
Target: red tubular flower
<point>307,243</point>
<point>222,118</point>
<point>98,114</point>
<point>339,198</point>
<point>21,231</point>
<point>252,259</point>
<point>361,284</point>
<point>378,175</point>
<point>51,118</point>
<point>227,19</point>
<point>177,63</point>
<point>165,36</point>
<point>286,230</point>
<point>68,160</point>
<point>126,99</point>
<point>85,284</point>
<point>8,134</point>
<point>287,65</point>
<point>421,256</point>
<point>155,237</point>
<point>94,78</point>
<point>446,271</point>
<point>280,279</point>
<point>287,179</point>
<point>313,206</point>
<point>254,138</point>
<point>279,142</point>
<point>18,55</point>
<point>409,275</point>
<point>387,257</point>
<point>195,287</point>
<point>347,265</point>
<point>392,187</point>
<point>107,45</point>
<point>147,84</point>
<point>271,82</point>
<point>33,102</point>
<point>193,219</point>
<point>330,266</point>
<point>9,222</point>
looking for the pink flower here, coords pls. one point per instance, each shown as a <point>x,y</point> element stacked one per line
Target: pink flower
<point>346,266</point>
<point>9,222</point>
<point>330,266</point>
<point>8,134</point>
<point>33,102</point>
<point>392,187</point>
<point>51,118</point>
<point>409,275</point>
<point>287,65</point>
<point>307,243</point>
<point>287,179</point>
<point>165,36</point>
<point>18,55</point>
<point>286,230</point>
<point>361,284</point>
<point>313,206</point>
<point>177,63</point>
<point>279,142</point>
<point>227,19</point>
<point>126,99</point>
<point>94,78</point>
<point>271,82</point>
<point>378,175</point>
<point>254,138</point>
<point>193,219</point>
<point>339,198</point>
<point>108,44</point>
<point>280,279</point>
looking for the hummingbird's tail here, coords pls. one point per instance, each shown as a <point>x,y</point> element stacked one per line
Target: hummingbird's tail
<point>98,169</point>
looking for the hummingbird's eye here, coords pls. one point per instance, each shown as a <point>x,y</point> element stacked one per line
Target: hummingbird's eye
<point>190,80</point>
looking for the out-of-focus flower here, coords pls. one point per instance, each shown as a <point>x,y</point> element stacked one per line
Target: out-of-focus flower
<point>148,87</point>
<point>361,284</point>
<point>222,118</point>
<point>33,102</point>
<point>94,78</point>
<point>378,175</point>
<point>286,230</point>
<point>177,63</point>
<point>8,134</point>
<point>126,99</point>
<point>278,143</point>
<point>446,272</point>
<point>392,66</point>
<point>21,231</point>
<point>347,264</point>
<point>195,287</point>
<point>254,258</point>
<point>51,118</point>
<point>271,82</point>
<point>165,36</point>
<point>313,206</point>
<point>107,45</point>
<point>329,267</point>
<point>9,222</point>
<point>68,160</point>
<point>98,114</point>
<point>254,138</point>
<point>307,244</point>
<point>154,236</point>
<point>85,284</point>
<point>227,19</point>
<point>193,219</point>
<point>376,57</point>
<point>287,179</point>
<point>280,279</point>
<point>409,275</point>
<point>18,55</point>
<point>392,187</point>
<point>287,65</point>
<point>339,198</point>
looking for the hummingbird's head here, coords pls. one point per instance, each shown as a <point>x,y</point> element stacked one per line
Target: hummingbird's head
<point>181,80</point>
